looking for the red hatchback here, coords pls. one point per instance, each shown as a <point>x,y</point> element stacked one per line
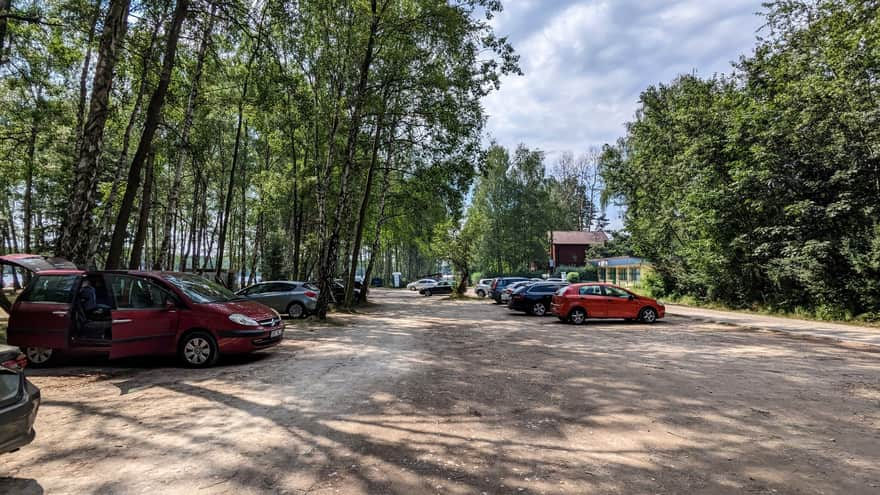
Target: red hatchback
<point>578,302</point>
<point>133,313</point>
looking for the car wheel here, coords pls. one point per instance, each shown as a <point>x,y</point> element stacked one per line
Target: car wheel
<point>539,309</point>
<point>296,311</point>
<point>429,293</point>
<point>38,356</point>
<point>577,316</point>
<point>481,293</point>
<point>648,315</point>
<point>198,350</point>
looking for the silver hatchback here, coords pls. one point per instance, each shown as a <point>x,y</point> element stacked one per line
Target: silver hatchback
<point>295,299</point>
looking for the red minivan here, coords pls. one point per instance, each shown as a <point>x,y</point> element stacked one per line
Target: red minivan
<point>578,302</point>
<point>134,313</point>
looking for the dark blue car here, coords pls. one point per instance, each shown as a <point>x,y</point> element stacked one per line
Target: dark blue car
<point>19,401</point>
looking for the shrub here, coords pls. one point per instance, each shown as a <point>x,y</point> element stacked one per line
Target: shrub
<point>653,283</point>
<point>573,277</point>
<point>872,317</point>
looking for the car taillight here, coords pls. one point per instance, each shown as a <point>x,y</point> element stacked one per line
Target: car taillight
<point>311,294</point>
<point>15,364</point>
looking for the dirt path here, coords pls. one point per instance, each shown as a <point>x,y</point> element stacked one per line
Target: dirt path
<point>835,332</point>
<point>427,395</point>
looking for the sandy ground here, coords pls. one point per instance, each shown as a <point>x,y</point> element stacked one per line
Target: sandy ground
<point>429,395</point>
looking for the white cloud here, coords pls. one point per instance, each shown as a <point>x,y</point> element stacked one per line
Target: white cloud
<point>587,61</point>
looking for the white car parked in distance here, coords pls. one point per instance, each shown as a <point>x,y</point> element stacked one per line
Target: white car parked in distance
<point>421,284</point>
<point>482,288</point>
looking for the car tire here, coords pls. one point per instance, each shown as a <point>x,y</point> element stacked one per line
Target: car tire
<point>577,316</point>
<point>648,315</point>
<point>198,350</point>
<point>428,293</point>
<point>39,356</point>
<point>481,294</point>
<point>538,309</point>
<point>296,311</point>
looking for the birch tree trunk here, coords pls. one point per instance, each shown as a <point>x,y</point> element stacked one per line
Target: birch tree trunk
<point>107,214</point>
<point>327,265</point>
<point>78,227</point>
<point>137,246</point>
<point>165,258</point>
<point>154,110</point>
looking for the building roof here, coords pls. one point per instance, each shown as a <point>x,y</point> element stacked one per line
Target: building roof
<point>577,237</point>
<point>619,261</point>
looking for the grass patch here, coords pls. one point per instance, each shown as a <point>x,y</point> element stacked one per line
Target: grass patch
<point>867,320</point>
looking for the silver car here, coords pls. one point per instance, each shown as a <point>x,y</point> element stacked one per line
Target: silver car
<point>295,299</point>
<point>482,288</point>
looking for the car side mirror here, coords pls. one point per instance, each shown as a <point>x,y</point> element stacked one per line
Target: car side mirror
<point>632,297</point>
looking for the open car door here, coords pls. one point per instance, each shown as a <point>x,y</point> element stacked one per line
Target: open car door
<point>16,270</point>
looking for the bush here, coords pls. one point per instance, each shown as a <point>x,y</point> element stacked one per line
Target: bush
<point>573,277</point>
<point>654,284</point>
<point>872,317</point>
<point>475,277</point>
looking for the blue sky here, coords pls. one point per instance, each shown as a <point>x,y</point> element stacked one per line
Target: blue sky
<point>586,61</point>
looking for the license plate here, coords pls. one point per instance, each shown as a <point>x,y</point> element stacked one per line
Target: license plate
<point>276,333</point>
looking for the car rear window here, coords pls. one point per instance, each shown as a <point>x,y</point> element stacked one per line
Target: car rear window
<point>50,289</point>
<point>10,387</point>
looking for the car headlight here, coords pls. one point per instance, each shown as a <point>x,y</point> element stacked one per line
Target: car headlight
<point>243,320</point>
<point>661,303</point>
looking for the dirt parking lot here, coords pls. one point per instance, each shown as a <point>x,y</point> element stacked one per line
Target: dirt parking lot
<point>430,395</point>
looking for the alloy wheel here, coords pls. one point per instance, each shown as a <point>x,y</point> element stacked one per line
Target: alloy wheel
<point>539,309</point>
<point>197,351</point>
<point>649,315</point>
<point>578,316</point>
<point>295,311</point>
<point>38,355</point>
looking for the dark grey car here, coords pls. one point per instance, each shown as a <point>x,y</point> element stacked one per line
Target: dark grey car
<point>19,401</point>
<point>295,299</point>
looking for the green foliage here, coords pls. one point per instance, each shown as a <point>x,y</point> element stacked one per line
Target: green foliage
<point>762,188</point>
<point>654,285</point>
<point>572,277</point>
<point>516,203</point>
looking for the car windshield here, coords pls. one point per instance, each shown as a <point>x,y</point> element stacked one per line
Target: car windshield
<point>199,289</point>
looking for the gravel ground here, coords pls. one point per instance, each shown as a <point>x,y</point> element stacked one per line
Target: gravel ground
<point>430,395</point>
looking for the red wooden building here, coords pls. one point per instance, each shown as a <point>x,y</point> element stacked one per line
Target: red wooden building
<point>570,247</point>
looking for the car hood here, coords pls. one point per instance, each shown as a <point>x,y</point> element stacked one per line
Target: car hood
<point>251,309</point>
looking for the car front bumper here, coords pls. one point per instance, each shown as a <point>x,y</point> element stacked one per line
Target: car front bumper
<point>242,341</point>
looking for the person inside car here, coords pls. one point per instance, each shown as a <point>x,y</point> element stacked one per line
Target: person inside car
<point>93,315</point>
<point>88,300</point>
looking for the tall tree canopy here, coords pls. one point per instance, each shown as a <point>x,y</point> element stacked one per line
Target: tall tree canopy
<point>306,139</point>
<point>764,187</point>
